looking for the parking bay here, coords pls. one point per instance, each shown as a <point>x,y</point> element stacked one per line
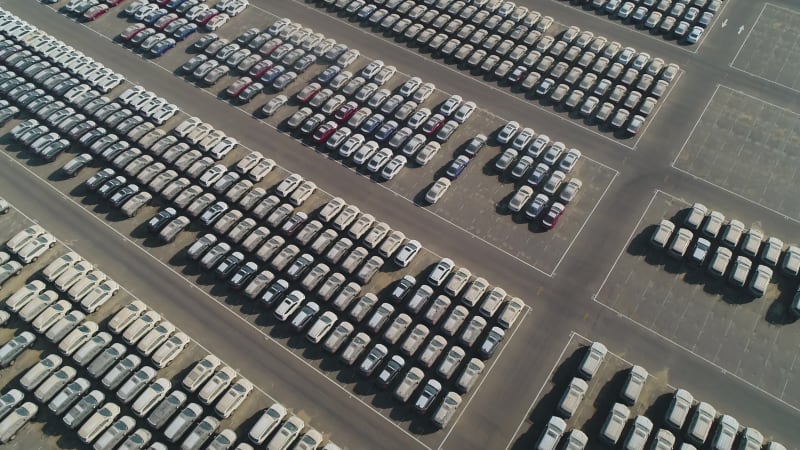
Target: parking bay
<point>752,339</point>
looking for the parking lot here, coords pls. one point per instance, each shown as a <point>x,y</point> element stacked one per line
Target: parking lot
<point>770,51</point>
<point>472,222</point>
<point>477,203</point>
<point>382,282</point>
<point>605,390</point>
<point>558,66</point>
<point>744,145</point>
<point>755,339</point>
<point>56,433</point>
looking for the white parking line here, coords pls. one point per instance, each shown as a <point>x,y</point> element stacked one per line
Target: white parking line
<point>547,380</point>
<point>528,309</point>
<point>732,64</point>
<point>595,298</point>
<point>583,225</point>
<point>460,73</point>
<point>194,286</point>
<point>729,191</point>
<point>630,238</point>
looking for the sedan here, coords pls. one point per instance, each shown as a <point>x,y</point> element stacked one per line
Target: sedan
<point>456,167</point>
<point>437,190</point>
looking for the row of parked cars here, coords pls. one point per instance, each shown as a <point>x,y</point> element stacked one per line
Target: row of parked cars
<point>601,80</point>
<point>65,389</point>
<point>683,20</point>
<point>718,243</point>
<point>549,175</point>
<point>263,58</point>
<point>696,431</point>
<point>185,12</point>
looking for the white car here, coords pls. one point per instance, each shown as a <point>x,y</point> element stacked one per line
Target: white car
<point>35,248</point>
<point>437,190</point>
<point>393,167</point>
<point>508,131</point>
<point>219,382</point>
<point>441,271</point>
<point>170,349</point>
<point>233,397</point>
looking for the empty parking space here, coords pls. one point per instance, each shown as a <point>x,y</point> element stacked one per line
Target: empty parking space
<point>746,146</point>
<point>771,50</point>
<point>755,339</point>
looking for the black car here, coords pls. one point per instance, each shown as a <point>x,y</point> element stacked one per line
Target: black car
<point>109,187</point>
<point>475,145</point>
<point>390,371</point>
<point>99,178</point>
<point>243,275</point>
<point>402,288</point>
<point>229,265</point>
<point>158,221</point>
<point>274,292</point>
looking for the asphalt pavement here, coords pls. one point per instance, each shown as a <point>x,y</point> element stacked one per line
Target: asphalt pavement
<point>560,305</point>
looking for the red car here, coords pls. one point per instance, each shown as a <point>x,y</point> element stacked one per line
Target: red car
<point>553,214</point>
<point>307,93</point>
<point>206,16</point>
<point>164,21</point>
<point>238,86</point>
<point>324,132</point>
<point>162,2</point>
<point>433,124</point>
<point>260,69</point>
<point>95,12</point>
<point>346,111</point>
<point>132,31</point>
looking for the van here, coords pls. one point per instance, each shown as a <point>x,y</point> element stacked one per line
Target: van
<point>615,423</point>
<point>701,423</point>
<point>752,242</point>
<point>680,243</point>
<point>572,397</point>
<point>678,409</point>
<point>634,384</point>
<point>771,251</point>
<point>740,270</point>
<point>727,428</point>
<point>760,280</point>
<point>639,433</point>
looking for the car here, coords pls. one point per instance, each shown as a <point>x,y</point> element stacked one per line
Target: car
<point>393,167</point>
<point>440,271</point>
<point>456,167</point>
<point>427,396</point>
<point>551,434</point>
<point>520,198</point>
<point>437,190</point>
<point>701,422</point>
<point>233,397</point>
<point>553,215</point>
<point>694,34</point>
<point>178,426</point>
<point>268,422</point>
<point>572,397</point>
<point>287,433</point>
<point>593,358</point>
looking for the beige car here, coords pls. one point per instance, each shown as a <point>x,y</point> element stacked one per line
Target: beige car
<point>140,327</point>
<point>219,382</point>
<point>150,397</point>
<point>201,372</point>
<point>155,337</point>
<point>85,284</point>
<point>47,317</point>
<point>286,434</point>
<point>24,295</point>
<point>170,349</point>
<point>98,422</point>
<point>409,384</point>
<point>77,337</point>
<point>511,311</point>
<point>126,316</point>
<point>233,397</point>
